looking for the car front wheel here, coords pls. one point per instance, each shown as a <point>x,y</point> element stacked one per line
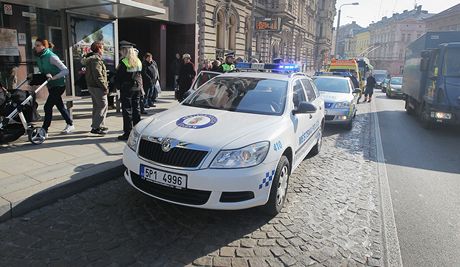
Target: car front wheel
<point>279,187</point>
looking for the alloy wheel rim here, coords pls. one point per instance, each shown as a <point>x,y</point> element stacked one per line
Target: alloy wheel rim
<point>282,186</point>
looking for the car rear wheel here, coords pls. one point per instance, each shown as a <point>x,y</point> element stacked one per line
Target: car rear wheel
<point>279,187</point>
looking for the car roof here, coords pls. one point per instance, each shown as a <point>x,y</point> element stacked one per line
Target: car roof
<point>332,77</point>
<point>262,75</point>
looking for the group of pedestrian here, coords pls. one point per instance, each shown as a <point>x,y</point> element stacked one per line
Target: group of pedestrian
<point>370,85</point>
<point>138,82</point>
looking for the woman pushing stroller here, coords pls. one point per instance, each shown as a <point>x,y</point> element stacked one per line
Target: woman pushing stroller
<point>50,65</point>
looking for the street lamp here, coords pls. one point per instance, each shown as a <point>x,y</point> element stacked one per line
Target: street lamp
<point>338,25</point>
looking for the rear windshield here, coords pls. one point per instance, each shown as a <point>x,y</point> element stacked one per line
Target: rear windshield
<point>396,80</point>
<point>249,95</point>
<point>332,85</point>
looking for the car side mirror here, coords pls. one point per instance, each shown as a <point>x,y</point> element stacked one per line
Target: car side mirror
<point>305,108</point>
<point>357,91</point>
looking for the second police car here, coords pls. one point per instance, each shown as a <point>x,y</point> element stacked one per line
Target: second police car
<point>339,96</point>
<point>232,144</point>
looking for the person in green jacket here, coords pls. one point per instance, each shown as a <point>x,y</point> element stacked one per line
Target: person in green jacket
<point>229,65</point>
<point>98,86</point>
<point>50,65</point>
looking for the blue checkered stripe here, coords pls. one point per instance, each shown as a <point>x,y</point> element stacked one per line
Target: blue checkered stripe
<point>268,178</point>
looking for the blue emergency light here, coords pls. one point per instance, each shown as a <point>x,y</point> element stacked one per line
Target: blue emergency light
<point>268,66</point>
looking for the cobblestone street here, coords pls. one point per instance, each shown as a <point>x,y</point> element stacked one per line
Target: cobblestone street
<point>332,218</point>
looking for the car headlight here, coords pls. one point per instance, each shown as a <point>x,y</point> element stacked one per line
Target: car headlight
<point>133,139</point>
<point>248,156</point>
<point>342,105</point>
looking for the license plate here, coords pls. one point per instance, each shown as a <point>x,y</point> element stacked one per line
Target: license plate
<point>164,178</point>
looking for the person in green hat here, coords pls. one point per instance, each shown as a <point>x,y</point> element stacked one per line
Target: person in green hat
<point>50,65</point>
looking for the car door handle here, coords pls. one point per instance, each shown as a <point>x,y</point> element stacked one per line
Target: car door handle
<point>311,116</point>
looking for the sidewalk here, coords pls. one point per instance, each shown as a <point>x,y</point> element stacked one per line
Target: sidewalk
<point>32,176</point>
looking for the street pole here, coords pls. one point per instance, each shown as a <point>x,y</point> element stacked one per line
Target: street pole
<point>338,26</point>
<point>337,34</point>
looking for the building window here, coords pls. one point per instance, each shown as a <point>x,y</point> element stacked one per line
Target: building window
<point>403,37</point>
<point>232,32</point>
<point>221,31</point>
<point>289,5</point>
<point>301,11</point>
<point>248,34</point>
<point>409,37</point>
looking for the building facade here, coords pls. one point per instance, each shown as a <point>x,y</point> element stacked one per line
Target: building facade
<point>345,39</point>
<point>448,20</point>
<point>299,30</point>
<point>390,36</point>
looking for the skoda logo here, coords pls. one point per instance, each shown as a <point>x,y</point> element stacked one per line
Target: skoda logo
<point>166,145</point>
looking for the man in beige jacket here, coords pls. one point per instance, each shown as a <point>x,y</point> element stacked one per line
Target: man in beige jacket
<point>96,80</point>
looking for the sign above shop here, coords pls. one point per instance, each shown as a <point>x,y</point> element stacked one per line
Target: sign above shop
<point>8,9</point>
<point>9,42</point>
<point>268,24</point>
<point>29,15</point>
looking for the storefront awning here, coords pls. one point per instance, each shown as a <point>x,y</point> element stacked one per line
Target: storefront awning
<point>97,8</point>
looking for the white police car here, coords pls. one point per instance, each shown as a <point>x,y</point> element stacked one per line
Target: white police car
<point>340,99</point>
<point>232,144</point>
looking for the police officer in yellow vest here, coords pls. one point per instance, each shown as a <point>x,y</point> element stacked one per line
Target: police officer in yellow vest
<point>128,80</point>
<point>228,66</point>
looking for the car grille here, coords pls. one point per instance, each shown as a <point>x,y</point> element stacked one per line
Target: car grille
<point>184,196</point>
<point>177,156</point>
<point>328,105</point>
<point>329,117</point>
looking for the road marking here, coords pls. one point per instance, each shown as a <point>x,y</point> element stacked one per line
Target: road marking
<point>391,247</point>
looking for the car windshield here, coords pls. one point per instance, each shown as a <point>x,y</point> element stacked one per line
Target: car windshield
<point>203,77</point>
<point>335,85</point>
<point>241,94</point>
<point>452,62</point>
<point>379,77</point>
<point>396,81</point>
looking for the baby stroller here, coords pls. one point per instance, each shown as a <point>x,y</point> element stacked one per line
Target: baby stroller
<point>21,105</point>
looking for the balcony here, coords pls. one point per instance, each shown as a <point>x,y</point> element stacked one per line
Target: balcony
<point>282,8</point>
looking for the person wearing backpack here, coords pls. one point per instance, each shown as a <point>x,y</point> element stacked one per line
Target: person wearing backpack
<point>129,81</point>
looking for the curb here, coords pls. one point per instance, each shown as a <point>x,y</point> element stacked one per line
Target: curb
<point>77,183</point>
<point>391,246</point>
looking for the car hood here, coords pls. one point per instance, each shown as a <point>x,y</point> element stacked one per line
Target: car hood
<point>396,86</point>
<point>207,127</point>
<point>331,97</point>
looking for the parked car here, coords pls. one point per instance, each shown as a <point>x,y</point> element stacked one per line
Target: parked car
<point>385,84</point>
<point>340,99</point>
<point>232,144</point>
<point>394,87</point>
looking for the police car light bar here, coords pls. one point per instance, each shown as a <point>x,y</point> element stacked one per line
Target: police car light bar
<point>333,73</point>
<point>268,66</point>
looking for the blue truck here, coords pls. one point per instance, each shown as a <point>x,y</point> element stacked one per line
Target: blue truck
<point>432,78</point>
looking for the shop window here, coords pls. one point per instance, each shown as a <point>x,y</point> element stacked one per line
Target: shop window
<point>83,33</point>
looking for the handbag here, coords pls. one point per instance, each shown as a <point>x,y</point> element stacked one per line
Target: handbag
<point>158,87</point>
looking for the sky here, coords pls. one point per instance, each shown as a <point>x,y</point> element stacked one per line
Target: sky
<point>373,10</point>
